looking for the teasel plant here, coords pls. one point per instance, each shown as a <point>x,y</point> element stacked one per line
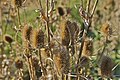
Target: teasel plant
<point>26,34</point>
<point>106,66</point>
<point>62,62</point>
<point>87,20</point>
<point>37,41</point>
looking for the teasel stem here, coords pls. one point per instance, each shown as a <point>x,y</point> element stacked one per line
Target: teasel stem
<point>88,6</point>
<point>94,7</point>
<point>18,13</point>
<point>30,67</point>
<point>42,67</point>
<point>105,44</point>
<point>47,22</point>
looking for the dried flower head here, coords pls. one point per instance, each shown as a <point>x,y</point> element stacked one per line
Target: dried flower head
<point>37,39</point>
<point>106,30</point>
<point>88,47</point>
<point>18,63</point>
<point>26,33</point>
<point>18,3</point>
<point>84,61</point>
<point>65,33</point>
<point>8,38</point>
<point>61,59</point>
<point>74,30</point>
<point>45,53</point>
<point>106,66</point>
<point>61,11</point>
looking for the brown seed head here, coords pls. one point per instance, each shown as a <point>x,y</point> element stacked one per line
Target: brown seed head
<point>26,33</point>
<point>37,38</point>
<point>61,11</point>
<point>106,66</point>
<point>61,58</point>
<point>8,38</point>
<point>84,61</point>
<point>18,63</point>
<point>45,53</point>
<point>18,3</point>
<point>88,47</point>
<point>106,30</point>
<point>65,33</point>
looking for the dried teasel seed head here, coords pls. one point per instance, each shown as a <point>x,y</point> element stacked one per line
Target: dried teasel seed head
<point>65,33</point>
<point>18,63</point>
<point>88,47</point>
<point>8,38</point>
<point>74,30</point>
<point>26,33</point>
<point>61,11</point>
<point>37,39</point>
<point>62,60</point>
<point>45,53</point>
<point>18,3</point>
<point>84,61</point>
<point>106,66</point>
<point>106,30</point>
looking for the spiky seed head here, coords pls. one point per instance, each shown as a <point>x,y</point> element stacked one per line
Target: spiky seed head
<point>26,33</point>
<point>62,60</point>
<point>65,33</point>
<point>45,53</point>
<point>106,66</point>
<point>106,30</point>
<point>74,30</point>
<point>84,61</point>
<point>18,3</point>
<point>87,47</point>
<point>37,39</point>
<point>18,63</point>
<point>61,11</point>
<point>8,38</point>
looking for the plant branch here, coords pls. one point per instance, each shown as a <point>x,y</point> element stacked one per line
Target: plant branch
<point>94,7</point>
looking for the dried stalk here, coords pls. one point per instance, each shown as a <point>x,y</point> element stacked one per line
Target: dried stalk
<point>87,24</point>
<point>18,13</point>
<point>88,6</point>
<point>44,70</point>
<point>47,22</point>
<point>94,7</point>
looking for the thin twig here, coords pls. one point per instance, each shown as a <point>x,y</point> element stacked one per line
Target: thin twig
<point>88,6</point>
<point>47,23</point>
<point>94,7</point>
<point>18,12</point>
